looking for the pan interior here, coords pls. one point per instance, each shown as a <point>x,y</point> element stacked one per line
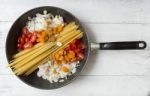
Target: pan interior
<point>15,32</point>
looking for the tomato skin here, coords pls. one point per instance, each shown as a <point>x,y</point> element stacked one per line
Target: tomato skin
<point>80,56</point>
<point>33,38</point>
<point>28,35</point>
<point>25,30</point>
<point>81,46</point>
<point>77,41</point>
<point>73,46</point>
<point>23,36</point>
<point>67,49</point>
<point>35,33</point>
<point>21,46</point>
<point>22,41</point>
<point>27,40</point>
<point>27,45</point>
<point>77,50</point>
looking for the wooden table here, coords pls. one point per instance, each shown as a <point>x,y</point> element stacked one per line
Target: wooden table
<point>108,73</point>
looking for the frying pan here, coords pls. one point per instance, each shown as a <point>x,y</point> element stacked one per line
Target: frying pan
<point>33,80</point>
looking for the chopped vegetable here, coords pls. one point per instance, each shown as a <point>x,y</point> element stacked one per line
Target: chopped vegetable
<point>51,45</point>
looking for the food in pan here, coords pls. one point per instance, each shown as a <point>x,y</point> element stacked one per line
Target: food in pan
<point>50,45</point>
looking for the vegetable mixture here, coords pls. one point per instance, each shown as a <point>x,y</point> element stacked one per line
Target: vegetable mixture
<point>50,45</point>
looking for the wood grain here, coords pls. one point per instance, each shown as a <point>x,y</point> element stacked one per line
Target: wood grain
<point>84,85</point>
<point>107,73</point>
<point>4,29</point>
<point>95,11</point>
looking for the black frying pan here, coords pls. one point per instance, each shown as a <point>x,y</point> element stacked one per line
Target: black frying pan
<point>33,80</point>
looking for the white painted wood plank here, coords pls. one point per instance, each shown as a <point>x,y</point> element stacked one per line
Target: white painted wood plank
<point>97,11</point>
<point>4,29</point>
<point>83,86</point>
<point>3,63</point>
<point>108,73</point>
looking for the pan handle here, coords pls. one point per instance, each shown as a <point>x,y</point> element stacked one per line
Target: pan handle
<point>126,45</point>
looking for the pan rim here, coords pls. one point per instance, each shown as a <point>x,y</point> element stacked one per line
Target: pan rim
<point>88,45</point>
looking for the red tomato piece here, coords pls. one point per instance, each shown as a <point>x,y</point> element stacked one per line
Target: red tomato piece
<point>23,36</point>
<point>73,46</point>
<point>34,33</point>
<point>80,56</point>
<point>20,46</point>
<point>81,45</point>
<point>27,40</point>
<point>77,50</point>
<point>77,42</point>
<point>29,35</point>
<point>33,38</point>
<point>67,49</point>
<point>25,30</point>
<point>22,41</point>
<point>27,45</point>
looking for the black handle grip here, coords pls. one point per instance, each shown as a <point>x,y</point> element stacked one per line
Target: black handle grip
<point>123,45</point>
